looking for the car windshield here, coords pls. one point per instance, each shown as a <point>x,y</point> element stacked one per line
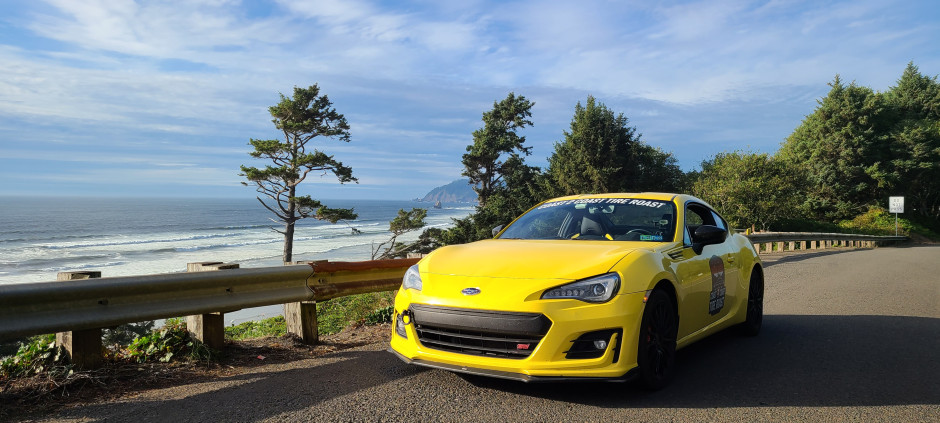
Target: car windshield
<point>614,219</point>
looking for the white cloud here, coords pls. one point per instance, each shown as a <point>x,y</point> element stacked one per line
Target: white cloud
<point>121,77</point>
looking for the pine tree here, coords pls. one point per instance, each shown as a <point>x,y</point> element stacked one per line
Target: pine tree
<point>301,118</point>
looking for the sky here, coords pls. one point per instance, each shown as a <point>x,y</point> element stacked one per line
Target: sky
<point>159,98</point>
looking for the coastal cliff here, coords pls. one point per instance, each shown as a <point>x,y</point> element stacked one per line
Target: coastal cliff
<point>458,191</point>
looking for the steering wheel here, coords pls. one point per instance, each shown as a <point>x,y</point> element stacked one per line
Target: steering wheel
<point>639,231</point>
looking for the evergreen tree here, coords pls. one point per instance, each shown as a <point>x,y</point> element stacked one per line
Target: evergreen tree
<point>495,144</point>
<point>843,151</point>
<point>601,153</point>
<point>915,142</point>
<point>300,118</point>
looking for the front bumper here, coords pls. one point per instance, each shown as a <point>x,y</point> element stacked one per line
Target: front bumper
<point>548,360</point>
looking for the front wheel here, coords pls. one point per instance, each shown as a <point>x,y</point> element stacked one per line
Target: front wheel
<point>656,353</point>
<point>755,304</point>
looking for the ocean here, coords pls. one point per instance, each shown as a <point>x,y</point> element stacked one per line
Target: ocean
<point>40,237</point>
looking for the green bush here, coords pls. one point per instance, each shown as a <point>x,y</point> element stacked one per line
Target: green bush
<point>878,221</point>
<point>40,354</point>
<point>382,315</point>
<point>275,326</point>
<point>170,341</point>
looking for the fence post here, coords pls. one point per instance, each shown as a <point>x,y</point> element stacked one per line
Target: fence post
<point>208,328</point>
<point>757,248</point>
<point>301,317</point>
<point>301,320</point>
<point>82,346</point>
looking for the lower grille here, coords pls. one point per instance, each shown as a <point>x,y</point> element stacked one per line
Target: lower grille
<point>479,332</point>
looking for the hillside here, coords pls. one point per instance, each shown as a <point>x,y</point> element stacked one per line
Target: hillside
<point>458,191</point>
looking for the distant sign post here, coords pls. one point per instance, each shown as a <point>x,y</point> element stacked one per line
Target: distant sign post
<point>896,205</point>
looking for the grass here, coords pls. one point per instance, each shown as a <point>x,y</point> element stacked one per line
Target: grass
<point>338,313</point>
<point>332,316</point>
<point>274,326</point>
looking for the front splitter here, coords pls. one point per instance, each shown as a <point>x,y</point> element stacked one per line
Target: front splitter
<point>510,375</point>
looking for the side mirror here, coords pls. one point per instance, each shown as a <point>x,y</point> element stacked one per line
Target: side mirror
<point>497,229</point>
<point>707,235</point>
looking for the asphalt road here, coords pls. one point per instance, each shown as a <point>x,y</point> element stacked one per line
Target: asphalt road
<point>848,336</point>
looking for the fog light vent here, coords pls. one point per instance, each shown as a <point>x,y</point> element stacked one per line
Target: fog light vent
<point>400,326</point>
<point>593,345</point>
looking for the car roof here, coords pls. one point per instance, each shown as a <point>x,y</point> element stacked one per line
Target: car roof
<point>661,196</point>
<point>679,199</point>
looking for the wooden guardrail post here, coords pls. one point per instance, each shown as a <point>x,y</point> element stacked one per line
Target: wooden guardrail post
<point>82,346</point>
<point>301,317</point>
<point>208,328</point>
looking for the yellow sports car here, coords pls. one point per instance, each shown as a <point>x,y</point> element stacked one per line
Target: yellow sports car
<point>584,287</point>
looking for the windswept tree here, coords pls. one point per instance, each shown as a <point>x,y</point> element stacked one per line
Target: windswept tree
<point>406,221</point>
<point>495,164</point>
<point>495,144</point>
<point>300,118</point>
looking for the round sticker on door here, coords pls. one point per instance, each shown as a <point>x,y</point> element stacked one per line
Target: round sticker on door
<point>717,298</point>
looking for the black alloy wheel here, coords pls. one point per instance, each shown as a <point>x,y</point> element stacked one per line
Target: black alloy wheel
<point>656,354</point>
<point>755,304</point>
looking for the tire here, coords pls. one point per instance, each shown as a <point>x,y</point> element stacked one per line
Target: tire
<point>755,304</point>
<point>656,349</point>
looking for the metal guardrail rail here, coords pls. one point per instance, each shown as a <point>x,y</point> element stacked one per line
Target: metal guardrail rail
<point>767,242</point>
<point>763,237</point>
<point>46,307</point>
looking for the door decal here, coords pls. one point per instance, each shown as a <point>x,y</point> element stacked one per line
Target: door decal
<point>717,298</point>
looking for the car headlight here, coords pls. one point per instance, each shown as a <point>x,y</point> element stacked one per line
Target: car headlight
<point>593,290</point>
<point>412,279</point>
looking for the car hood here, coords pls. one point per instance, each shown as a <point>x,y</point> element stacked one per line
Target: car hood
<point>529,259</point>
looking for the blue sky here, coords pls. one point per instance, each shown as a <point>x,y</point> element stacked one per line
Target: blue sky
<point>159,98</point>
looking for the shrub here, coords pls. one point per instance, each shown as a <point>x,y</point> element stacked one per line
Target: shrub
<point>878,221</point>
<point>170,341</point>
<point>40,354</point>
<point>382,315</point>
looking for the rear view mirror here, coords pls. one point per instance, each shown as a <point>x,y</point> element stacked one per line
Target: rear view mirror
<point>497,229</point>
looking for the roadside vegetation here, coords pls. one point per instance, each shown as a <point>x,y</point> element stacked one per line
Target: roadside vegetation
<point>834,173</point>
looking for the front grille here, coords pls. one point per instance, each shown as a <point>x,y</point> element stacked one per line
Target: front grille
<point>479,332</point>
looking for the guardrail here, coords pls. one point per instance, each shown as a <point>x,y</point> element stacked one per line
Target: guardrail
<point>783,241</point>
<point>91,304</point>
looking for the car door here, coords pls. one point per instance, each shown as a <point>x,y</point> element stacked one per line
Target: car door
<point>704,277</point>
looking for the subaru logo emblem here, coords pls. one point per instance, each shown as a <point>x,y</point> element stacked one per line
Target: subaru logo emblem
<point>470,291</point>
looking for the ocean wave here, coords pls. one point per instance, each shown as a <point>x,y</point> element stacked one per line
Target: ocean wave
<point>139,242</point>
<point>95,266</point>
<point>50,238</point>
